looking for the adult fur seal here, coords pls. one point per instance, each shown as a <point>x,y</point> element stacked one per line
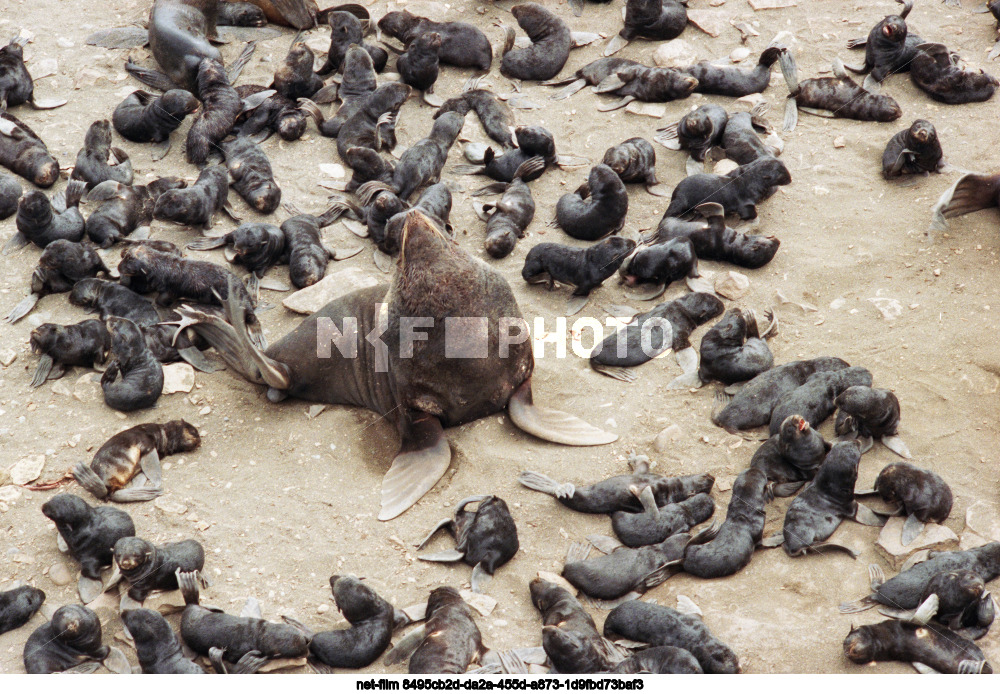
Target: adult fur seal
<point>634,160</point>
<point>141,373</point>
<point>870,413</point>
<point>569,635</point>
<point>92,162</point>
<point>298,14</point>
<point>655,524</point>
<point>42,221</point>
<point>739,191</point>
<point>664,626</point>
<point>732,350</point>
<point>73,637</point>
<point>16,85</point>
<point>889,48</point>
<point>143,117</point>
<point>713,240</point>
<point>625,570</point>
<point>19,605</point>
<point>421,401</point>
<point>462,45</point>
<point>921,495</point>
<point>912,151</point>
<point>738,81</point>
<point>197,204</point>
<point>148,567</point>
<point>24,153</point>
<point>836,97</point>
<point>815,399</point>
<point>937,71</point>
<point>970,193</point>
<point>938,649</point>
<point>251,172</point>
<point>58,346</point>
<point>584,268</point>
<point>130,452</point>
<point>485,539</point>
<point>220,106</point>
<point>449,641</point>
<point>595,209</point>
<point>791,457</point>
<point>125,209</point>
<point>615,494</point>
<point>345,31</point>
<point>638,82</point>
<point>551,41</point>
<point>90,533</point>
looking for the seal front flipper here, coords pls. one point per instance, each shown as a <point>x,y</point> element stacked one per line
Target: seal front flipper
<point>15,243</point>
<point>480,578</point>
<point>616,43</point>
<point>552,425</point>
<point>234,70</point>
<point>406,646</point>
<point>897,446</point>
<point>911,529</point>
<point>45,364</point>
<point>423,458</point>
<point>866,516</point>
<point>116,662</point>
<point>152,78</point>
<point>546,485</point>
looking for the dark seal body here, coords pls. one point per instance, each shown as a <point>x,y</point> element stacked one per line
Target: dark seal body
<point>10,193</point>
<point>732,351</point>
<point>196,204</point>
<point>607,577</point>
<point>258,246</point>
<point>889,48</point>
<point>174,277</point>
<point>584,268</point>
<point>156,645</point>
<point>648,528</point>
<point>294,78</point>
<point>252,175</point>
<point>125,209</point>
<point>510,217</point>
<point>792,455</point>
<point>741,141</point>
<point>149,567</point>
<point>912,151</point>
<point>659,660</point>
<point>936,647</point>
<point>634,160</point>
<point>19,605</point>
<point>362,129</point>
<point>178,38</point>
<point>419,66</point>
<point>661,263</point>
<point>82,344</point>
<point>434,202</point>
<point>345,30</point>
<point>738,192</point>
<point>735,81</point>
<point>845,99</point>
<point>92,163</point>
<point>869,411</point>
<point>596,209</point>
<point>551,41</point>
<point>659,20</point>
<point>569,635</point>
<point>72,637</point>
<point>457,642</point>
<point>935,70</point>
<point>532,141</point>
<point>24,153</point>
<point>921,493</point>
<point>486,536</point>
<point>220,106</point>
<point>421,164</point>
<point>701,129</point>
<point>141,373</point>
<point>142,117</point>
<point>41,224</point>
<point>462,45</point>
<point>614,494</point>
<point>814,400</point>
<point>654,84</point>
<point>495,115</point>
<point>276,114</point>
<point>371,619</point>
<point>16,85</point>
<point>713,240</point>
<point>307,256</point>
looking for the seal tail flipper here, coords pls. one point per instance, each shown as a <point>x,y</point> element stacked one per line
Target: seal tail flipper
<point>569,90</point>
<point>552,425</point>
<point>116,662</point>
<point>897,446</point>
<point>446,556</point>
<point>546,485</point>
<point>43,370</point>
<point>927,610</point>
<point>775,540</point>
<point>706,535</point>
<point>559,81</point>
<point>422,460</point>
<point>405,647</point>
<point>442,524</point>
<point>366,192</point>
<point>819,547</point>
<point>15,243</point>
<point>86,668</point>
<point>468,169</point>
<point>912,527</point>
<point>972,667</point>
<point>865,603</point>
<point>616,43</point>
<point>924,669</point>
<point>617,104</point>
<point>530,169</point>
<point>602,543</point>
<point>89,480</point>
<point>661,574</point>
<point>125,496</point>
<point>207,243</point>
<point>236,67</point>
<point>152,78</point>
<point>250,663</point>
<point>692,166</point>
<point>480,578</point>
<point>89,589</point>
<point>187,581</point>
<point>616,372</point>
<point>791,115</point>
<point>650,294</point>
<point>866,516</point>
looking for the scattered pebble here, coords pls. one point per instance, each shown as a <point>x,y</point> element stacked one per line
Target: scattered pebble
<point>27,469</point>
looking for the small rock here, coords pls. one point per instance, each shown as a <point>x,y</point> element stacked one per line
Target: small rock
<point>724,166</point>
<point>333,286</point>
<point>205,410</point>
<point>482,603</point>
<point>839,142</point>
<point>9,494</point>
<point>88,388</point>
<point>61,387</point>
<point>167,504</point>
<point>60,574</point>
<point>558,580</point>
<point>88,77</point>
<point>838,303</point>
<point>178,378</point>
<point>711,22</point>
<point>426,8</point>
<point>732,285</point>
<point>775,142</point>
<point>771,4</point>
<point>44,68</point>
<point>7,357</point>
<point>27,469</point>
<point>4,478</point>
<point>64,42</point>
<point>676,53</point>
<point>663,441</point>
<point>983,518</point>
<point>890,309</point>
<point>22,558</point>
<point>723,485</point>
<point>934,536</point>
<point>314,411</point>
<point>739,54</point>
<point>971,540</point>
<point>322,609</point>
<point>642,108</point>
<point>282,663</point>
<point>751,100</point>
<point>318,44</point>
<point>333,170</point>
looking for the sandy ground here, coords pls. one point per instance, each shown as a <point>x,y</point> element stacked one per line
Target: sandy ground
<point>280,501</point>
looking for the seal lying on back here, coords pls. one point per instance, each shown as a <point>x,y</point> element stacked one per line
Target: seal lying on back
<point>836,97</point>
<point>737,81</point>
<point>959,600</point>
<point>62,264</point>
<point>732,350</point>
<point>24,153</point>
<point>142,117</point>
<point>420,400</point>
<point>251,172</point>
<point>791,457</point>
<point>638,82</point>
<point>508,218</point>
<point>569,635</point>
<point>936,648</point>
<point>593,73</point>
<point>889,48</point>
<point>551,41</point>
<point>19,605</point>
<point>935,69</point>
<point>462,45</point>
<point>124,209</point>
<point>595,209</point>
<point>738,192</point>
<point>912,151</point>
<point>71,638</point>
<point>713,240</point>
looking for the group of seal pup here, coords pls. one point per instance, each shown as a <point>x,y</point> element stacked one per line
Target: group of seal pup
<point>938,607</point>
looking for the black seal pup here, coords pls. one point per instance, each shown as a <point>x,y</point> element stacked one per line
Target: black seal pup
<point>19,605</point>
<point>536,149</point>
<point>220,106</point>
<point>24,153</point>
<point>697,131</point>
<point>462,44</point>
<point>739,191</point>
<point>16,85</point>
<point>816,513</point>
<point>638,82</point>
<point>495,115</point>
<point>584,268</point>
<point>634,160</point>
<point>593,73</point>
<point>294,78</point>
<point>141,382</point>
<point>257,246</point>
<point>660,265</point>
<point>659,660</point>
<point>733,351</point>
<point>615,494</point>
<point>655,524</point>
<point>156,645</point>
<point>205,628</point>
<point>713,240</point>
<point>10,192</point>
<point>71,639</point>
<point>551,41</point>
<point>791,457</point>
<point>307,256</point>
<point>252,177</point>
<point>624,572</point>
<point>753,404</point>
<point>889,48</point>
<point>359,81</point>
<point>125,210</point>
<point>871,413</point>
<point>61,265</point>
<point>921,495</point>
<point>142,117</point>
<point>422,395</point>
<point>936,70</point>
<point>130,452</point>
<point>935,648</point>
<point>740,139</point>
<point>345,31</point>
<point>815,399</point>
<point>667,326</point>
<point>596,209</point>
<point>956,599</point>
<point>98,161</point>
<point>373,124</point>
<point>732,548</point>
<point>447,643</point>
<point>657,20</point>
<point>836,97</point>
<point>89,533</point>
<point>508,218</point>
<point>912,151</point>
<point>569,635</point>
<point>180,32</point>
<point>275,114</point>
<point>197,204</point>
<point>240,14</point>
<point>734,80</point>
<point>42,221</point>
<point>664,626</point>
<point>148,567</point>
<point>485,539</point>
<point>58,346</point>
<point>419,66</point>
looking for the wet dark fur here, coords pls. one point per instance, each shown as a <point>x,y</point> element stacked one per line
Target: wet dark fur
<point>130,208</point>
<point>741,142</point>
<point>196,204</point>
<point>551,41</point>
<point>294,78</point>
<point>814,399</point>
<point>793,454</point>
<point>90,532</point>
<point>18,606</point>
<point>656,84</point>
<point>661,263</point>
<point>733,80</point>
<point>924,151</point>
<point>659,20</point>
<point>634,160</point>
<point>92,163</point>
<point>596,209</point>
<point>24,153</point>
<point>419,66</point>
<point>937,647</point>
<point>220,106</point>
<point>81,344</point>
<point>512,215</point>
<point>732,351</point>
<point>41,224</point>
<point>646,528</point>
<point>920,492</point>
<point>141,380</point>
<point>495,115</point>
<point>157,647</point>
<point>584,268</point>
<point>569,635</point>
<point>608,577</point>
<point>371,619</point>
<point>701,129</point>
<point>462,45</point>
<point>457,643</point>
<point>345,30</point>
<point>738,192</point>
<point>307,256</point>
<point>815,514</point>
<point>151,567</point>
<point>713,240</point>
<point>252,175</point>
<point>934,70</point>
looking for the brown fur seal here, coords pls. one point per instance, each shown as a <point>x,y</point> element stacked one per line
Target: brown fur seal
<point>373,124</point>
<point>937,71</point>
<point>71,639</point>
<point>912,151</point>
<point>738,192</point>
<point>836,97</point>
<point>147,567</point>
<point>294,78</point>
<point>655,524</point>
<point>10,192</point>
<point>256,246</point>
<point>420,65</point>
<point>958,599</point>
<point>16,85</point>
<point>713,240</point>
<point>551,41</point>
<point>921,495</point>
<point>569,635</point>
<point>345,31</point>
<point>625,572</point>
<point>180,35</point>
<point>584,268</point>
<point>657,20</point>
<point>130,452</point>
<point>59,346</point>
<point>125,209</point>
<point>697,131</point>
<point>307,256</point>
<point>142,117</point>
<point>251,172</point>
<point>870,413</point>
<point>24,153</point>
<point>462,45</point>
<point>495,115</point>
<point>638,82</point>
<point>420,400</point>
<point>18,606</point>
<point>157,647</point>
<point>508,218</point>
<point>936,648</point>
<point>42,221</point>
<point>197,204</point>
<point>791,457</point>
<point>62,264</point>
<point>634,160</point>
<point>92,162</point>
<point>733,351</point>
<point>738,81</point>
<point>275,114</point>
<point>815,399</point>
<point>141,373</point>
<point>298,14</point>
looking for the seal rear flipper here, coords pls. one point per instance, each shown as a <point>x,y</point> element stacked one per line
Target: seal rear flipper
<point>617,104</point>
<point>47,104</point>
<point>972,667</point>
<point>616,372</point>
<point>572,88</point>
<point>912,527</point>
<point>196,358</point>
<point>552,425</point>
<point>87,668</point>
<point>650,294</point>
<point>152,78</point>
<point>480,578</point>
<point>423,458</point>
<point>187,581</point>
<point>442,524</point>
<point>661,574</point>
<point>616,43</point>
<point>89,589</point>
<point>602,543</point>
<point>857,43</point>
<point>125,496</point>
<point>405,647</point>
<point>819,547</point>
<point>306,631</point>
<point>89,480</point>
<point>866,516</point>
<point>116,662</point>
<point>897,446</point>
<point>692,166</point>
<point>119,37</point>
<point>785,489</point>
<point>326,95</point>
<point>15,243</point>
<point>250,663</point>
<point>447,556</point>
<point>791,115</point>
<point>236,67</point>
<point>865,603</point>
<point>43,370</point>
<point>546,485</point>
<point>207,243</point>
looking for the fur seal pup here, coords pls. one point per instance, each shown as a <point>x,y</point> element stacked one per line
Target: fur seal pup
<point>615,494</point>
<point>713,240</point>
<point>345,31</point>
<point>373,124</point>
<point>660,264</point>
<point>569,635</point>
<point>72,638</point>
<point>10,192</point>
<point>835,97</point>
<point>59,346</point>
<point>124,209</point>
<point>206,628</point>
<point>870,413</point>
<point>294,78</point>
<point>955,599</point>
<point>257,246</point>
<point>421,401</point>
<point>740,139</point>
<point>593,73</point>
<point>648,336</point>
<point>638,82</point>
<point>508,218</point>
<point>495,115</point>
<point>307,256</point>
<point>111,473</point>
<point>739,191</point>
<point>596,209</point>
<point>634,160</point>
<point>536,150</point>
<point>665,626</point>
<point>697,131</point>
<point>912,151</point>
<point>624,572</point>
<point>753,404</point>
<point>16,85</point>
<point>815,398</point>
<point>275,114</point>
<point>584,268</point>
<point>142,117</point>
<point>791,457</point>
<point>434,202</point>
<point>197,204</point>
<point>18,606</point>
<point>921,495</point>
<point>419,65</point>
<point>141,382</point>
<point>89,533</point>
<point>148,567</point>
<point>24,153</point>
<point>816,513</point>
<point>42,221</point>
<point>61,265</point>
<point>937,649</point>
<point>485,539</point>
<point>733,351</point>
<point>240,14</point>
<point>889,48</point>
<point>659,660</point>
<point>156,645</point>
<point>98,161</point>
<point>738,81</point>
<point>551,41</point>
<point>462,45</point>
<point>220,106</point>
<point>657,20</point>
<point>180,35</point>
<point>358,82</point>
<point>447,643</point>
<point>936,70</point>
<point>656,524</point>
<point>252,176</point>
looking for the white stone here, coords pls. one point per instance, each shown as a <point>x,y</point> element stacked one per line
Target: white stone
<point>7,357</point>
<point>27,469</point>
<point>60,574</point>
<point>482,603</point>
<point>724,166</point>
<point>178,378</point>
<point>167,504</point>
<point>983,518</point>
<point>890,309</point>
<point>739,54</point>
<point>934,536</point>
<point>44,68</point>
<point>676,53</point>
<point>9,494</point>
<point>712,22</point>
<point>732,285</point>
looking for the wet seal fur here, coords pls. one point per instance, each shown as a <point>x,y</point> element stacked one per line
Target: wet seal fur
<point>937,648</point>
<point>936,71</point>
<point>143,117</point>
<point>180,32</point>
<point>655,524</point>
<point>870,413</point>
<point>739,192</point>
<point>92,162</point>
<point>71,638</point>
<point>815,399</point>
<point>661,263</point>
<point>551,41</point>
<point>595,209</point>
<point>584,268</point>
<point>148,567</point>
<point>922,495</point>
<point>10,192</point>
<point>125,209</point>
<point>61,265</point>
<point>495,115</point>
<point>141,382</point>
<point>16,84</point>
<point>82,344</point>
<point>657,20</point>
<point>508,219</point>
<point>659,660</point>
<point>457,642</point>
<point>912,151</point>
<point>625,571</point>
<point>419,65</point>
<point>24,153</point>
<point>345,30</point>
<point>634,160</point>
<point>701,129</point>
<point>836,97</point>
<point>157,647</point>
<point>732,350</point>
<point>462,44</point>
<point>220,106</point>
<point>641,83</point>
<point>251,173</point>
<point>18,606</point>
<point>734,80</point>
